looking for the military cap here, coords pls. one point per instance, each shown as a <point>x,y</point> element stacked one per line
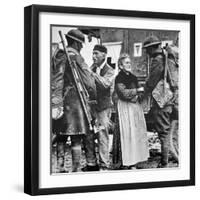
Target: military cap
<point>100,48</point>
<point>151,41</point>
<point>76,34</point>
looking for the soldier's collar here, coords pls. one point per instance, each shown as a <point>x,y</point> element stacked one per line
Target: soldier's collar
<point>157,52</point>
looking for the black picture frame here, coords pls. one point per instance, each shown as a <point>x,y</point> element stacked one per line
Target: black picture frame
<point>31,98</point>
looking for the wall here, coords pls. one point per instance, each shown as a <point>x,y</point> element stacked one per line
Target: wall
<point>11,100</point>
<point>129,37</point>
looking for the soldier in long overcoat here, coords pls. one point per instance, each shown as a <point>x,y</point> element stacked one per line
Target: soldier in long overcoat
<point>73,121</point>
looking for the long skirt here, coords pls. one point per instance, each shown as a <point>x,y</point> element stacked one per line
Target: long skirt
<point>133,133</point>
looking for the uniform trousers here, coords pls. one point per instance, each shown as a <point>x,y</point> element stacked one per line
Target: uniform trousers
<point>162,119</point>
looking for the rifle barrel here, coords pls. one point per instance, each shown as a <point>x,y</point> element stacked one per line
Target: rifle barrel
<point>78,84</point>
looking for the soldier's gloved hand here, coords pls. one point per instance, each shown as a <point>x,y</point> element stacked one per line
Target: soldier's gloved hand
<point>57,112</point>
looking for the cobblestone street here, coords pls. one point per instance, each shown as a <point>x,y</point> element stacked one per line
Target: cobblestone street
<point>152,162</point>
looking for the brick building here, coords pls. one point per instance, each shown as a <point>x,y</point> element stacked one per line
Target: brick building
<point>130,41</point>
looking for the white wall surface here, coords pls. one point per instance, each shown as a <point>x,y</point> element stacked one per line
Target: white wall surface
<point>11,99</point>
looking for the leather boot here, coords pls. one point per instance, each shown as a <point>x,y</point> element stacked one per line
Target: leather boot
<point>76,158</point>
<point>61,157</point>
<point>164,152</point>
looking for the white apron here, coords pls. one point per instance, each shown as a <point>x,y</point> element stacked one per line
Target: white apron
<point>133,133</point>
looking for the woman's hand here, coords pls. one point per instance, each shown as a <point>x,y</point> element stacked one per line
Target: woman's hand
<point>140,89</point>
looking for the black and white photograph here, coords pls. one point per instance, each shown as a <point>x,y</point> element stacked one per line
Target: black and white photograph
<point>98,100</point>
<point>114,99</point>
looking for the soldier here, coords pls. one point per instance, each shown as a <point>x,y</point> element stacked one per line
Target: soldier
<point>104,79</point>
<point>74,121</point>
<point>162,115</point>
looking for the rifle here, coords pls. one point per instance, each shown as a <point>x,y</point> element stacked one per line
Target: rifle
<point>166,69</point>
<point>82,92</point>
